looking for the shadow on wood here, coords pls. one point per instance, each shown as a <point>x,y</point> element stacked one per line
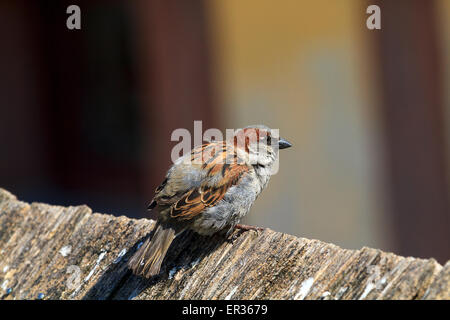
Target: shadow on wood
<point>54,252</point>
<point>186,251</point>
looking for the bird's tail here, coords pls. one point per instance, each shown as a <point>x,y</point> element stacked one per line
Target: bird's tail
<point>147,260</point>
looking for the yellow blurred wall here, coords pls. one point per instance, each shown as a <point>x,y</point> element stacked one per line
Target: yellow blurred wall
<point>305,68</point>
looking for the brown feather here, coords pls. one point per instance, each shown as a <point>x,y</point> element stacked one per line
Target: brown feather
<point>149,257</point>
<point>194,201</point>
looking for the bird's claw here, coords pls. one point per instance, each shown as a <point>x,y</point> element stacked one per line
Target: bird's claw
<point>242,228</point>
<point>245,227</point>
<point>231,239</point>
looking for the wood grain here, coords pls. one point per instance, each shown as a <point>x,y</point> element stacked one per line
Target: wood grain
<point>54,252</point>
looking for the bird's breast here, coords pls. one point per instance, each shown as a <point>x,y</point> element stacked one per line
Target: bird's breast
<point>231,209</point>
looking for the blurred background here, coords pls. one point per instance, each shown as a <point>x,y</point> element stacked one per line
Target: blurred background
<point>86,115</point>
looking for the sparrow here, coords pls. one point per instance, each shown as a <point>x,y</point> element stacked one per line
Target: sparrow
<point>208,191</point>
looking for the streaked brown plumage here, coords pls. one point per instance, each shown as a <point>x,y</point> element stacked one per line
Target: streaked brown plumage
<point>208,191</point>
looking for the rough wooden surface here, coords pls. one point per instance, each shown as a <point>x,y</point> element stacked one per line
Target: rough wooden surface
<point>53,252</point>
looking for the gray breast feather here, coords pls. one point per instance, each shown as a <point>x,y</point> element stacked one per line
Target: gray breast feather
<point>230,210</point>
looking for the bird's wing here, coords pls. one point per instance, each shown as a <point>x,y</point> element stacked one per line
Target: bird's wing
<point>220,169</point>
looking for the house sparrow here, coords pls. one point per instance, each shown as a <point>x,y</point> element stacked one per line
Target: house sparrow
<point>209,191</point>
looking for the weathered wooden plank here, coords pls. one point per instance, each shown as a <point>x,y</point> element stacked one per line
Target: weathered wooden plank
<point>53,252</point>
<point>439,288</point>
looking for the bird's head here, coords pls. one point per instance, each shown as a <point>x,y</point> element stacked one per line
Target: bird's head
<point>260,143</point>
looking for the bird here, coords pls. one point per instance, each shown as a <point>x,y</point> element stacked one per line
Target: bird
<point>209,191</point>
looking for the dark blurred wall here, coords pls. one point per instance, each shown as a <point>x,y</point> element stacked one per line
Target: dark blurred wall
<point>87,114</point>
<point>411,79</point>
<point>22,159</point>
<point>175,77</point>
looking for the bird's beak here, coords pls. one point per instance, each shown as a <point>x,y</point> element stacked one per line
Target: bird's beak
<point>283,144</point>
